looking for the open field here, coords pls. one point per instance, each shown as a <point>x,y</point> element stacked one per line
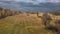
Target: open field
<point>22,24</point>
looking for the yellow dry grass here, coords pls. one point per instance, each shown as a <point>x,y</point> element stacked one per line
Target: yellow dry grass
<point>22,24</point>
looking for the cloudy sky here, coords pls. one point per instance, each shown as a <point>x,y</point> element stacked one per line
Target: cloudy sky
<point>33,0</point>
<point>15,4</point>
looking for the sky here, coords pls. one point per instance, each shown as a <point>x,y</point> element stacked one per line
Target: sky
<point>33,0</point>
<point>15,4</point>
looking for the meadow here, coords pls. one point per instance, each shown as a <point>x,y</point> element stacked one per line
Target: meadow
<point>16,22</point>
<point>22,24</point>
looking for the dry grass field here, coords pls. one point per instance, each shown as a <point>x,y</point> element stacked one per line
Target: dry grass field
<point>22,24</point>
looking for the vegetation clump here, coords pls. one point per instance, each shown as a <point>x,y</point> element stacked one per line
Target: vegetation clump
<point>7,12</point>
<point>46,19</point>
<point>57,12</point>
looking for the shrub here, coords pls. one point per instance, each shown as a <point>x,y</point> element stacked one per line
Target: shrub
<point>52,28</point>
<point>7,12</point>
<point>46,19</point>
<point>55,28</point>
<point>1,9</point>
<point>58,25</point>
<point>57,21</point>
<point>57,12</point>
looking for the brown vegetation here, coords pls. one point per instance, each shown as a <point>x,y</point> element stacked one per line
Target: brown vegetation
<point>54,26</point>
<point>7,12</point>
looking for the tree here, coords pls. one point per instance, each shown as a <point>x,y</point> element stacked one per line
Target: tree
<point>1,12</point>
<point>37,14</point>
<point>46,19</point>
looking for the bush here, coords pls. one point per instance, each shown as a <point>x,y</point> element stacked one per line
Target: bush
<point>46,19</point>
<point>52,28</point>
<point>57,21</point>
<point>6,12</point>
<point>58,25</point>
<point>1,9</point>
<point>55,28</point>
<point>57,12</point>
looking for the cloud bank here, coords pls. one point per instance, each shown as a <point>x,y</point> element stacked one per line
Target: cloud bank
<point>33,0</point>
<point>17,5</point>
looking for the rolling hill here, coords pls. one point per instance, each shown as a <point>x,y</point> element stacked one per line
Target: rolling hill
<point>22,24</point>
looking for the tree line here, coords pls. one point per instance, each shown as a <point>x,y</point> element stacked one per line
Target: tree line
<point>7,12</point>
<point>57,12</point>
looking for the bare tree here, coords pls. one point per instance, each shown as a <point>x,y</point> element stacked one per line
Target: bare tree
<point>37,14</point>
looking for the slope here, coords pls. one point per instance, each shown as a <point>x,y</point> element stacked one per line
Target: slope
<point>22,24</point>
